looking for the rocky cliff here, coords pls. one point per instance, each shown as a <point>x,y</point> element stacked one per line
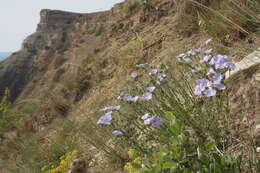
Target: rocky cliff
<point>54,33</point>
<point>59,33</point>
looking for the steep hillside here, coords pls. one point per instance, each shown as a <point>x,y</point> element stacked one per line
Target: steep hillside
<point>75,64</point>
<point>49,39</point>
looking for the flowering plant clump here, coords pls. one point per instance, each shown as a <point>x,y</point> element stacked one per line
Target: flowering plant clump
<point>132,167</point>
<point>211,67</point>
<point>64,165</point>
<point>105,119</point>
<point>136,163</point>
<point>172,123</point>
<point>152,120</point>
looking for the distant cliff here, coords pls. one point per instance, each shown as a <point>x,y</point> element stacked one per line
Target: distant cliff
<point>53,36</point>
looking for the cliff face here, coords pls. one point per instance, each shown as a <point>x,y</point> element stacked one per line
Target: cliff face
<point>59,33</point>
<point>15,72</point>
<point>54,20</point>
<point>52,34</point>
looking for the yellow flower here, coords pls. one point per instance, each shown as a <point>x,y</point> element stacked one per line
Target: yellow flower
<point>44,168</point>
<point>131,153</point>
<point>129,168</point>
<point>65,161</point>
<point>138,160</point>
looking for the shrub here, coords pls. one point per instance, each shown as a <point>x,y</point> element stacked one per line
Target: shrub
<point>130,54</point>
<point>8,117</point>
<point>99,30</point>
<point>130,6</point>
<point>38,158</point>
<point>64,165</point>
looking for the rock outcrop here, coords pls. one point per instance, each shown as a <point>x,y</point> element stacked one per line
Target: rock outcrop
<point>15,72</point>
<point>244,95</point>
<point>245,90</point>
<point>55,20</point>
<point>52,34</point>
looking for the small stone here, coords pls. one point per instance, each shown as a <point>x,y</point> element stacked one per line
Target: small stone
<point>257,128</point>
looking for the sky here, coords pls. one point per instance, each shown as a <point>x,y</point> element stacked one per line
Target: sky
<point>19,18</point>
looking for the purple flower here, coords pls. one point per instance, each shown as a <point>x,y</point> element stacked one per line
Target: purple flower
<point>207,51</point>
<point>151,89</point>
<point>128,98</point>
<point>134,99</point>
<point>209,92</point>
<point>142,65</point>
<point>220,86</point>
<point>124,96</point>
<point>145,116</point>
<point>211,71</point>
<point>154,121</point>
<point>133,75</point>
<point>186,59</point>
<point>161,77</point>
<point>117,133</point>
<point>208,41</point>
<point>198,90</point>
<point>105,119</point>
<point>189,75</point>
<point>205,58</point>
<point>157,123</point>
<point>230,65</point>
<point>216,59</point>
<point>153,72</point>
<point>198,50</point>
<point>202,85</point>
<point>197,69</point>
<point>221,62</point>
<point>216,78</point>
<point>181,55</point>
<point>148,121</point>
<point>191,52</point>
<point>111,108</point>
<point>147,96</point>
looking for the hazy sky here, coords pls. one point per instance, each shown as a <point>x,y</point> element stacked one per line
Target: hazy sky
<point>19,18</point>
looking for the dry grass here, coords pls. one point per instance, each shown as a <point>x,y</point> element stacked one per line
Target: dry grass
<point>220,18</point>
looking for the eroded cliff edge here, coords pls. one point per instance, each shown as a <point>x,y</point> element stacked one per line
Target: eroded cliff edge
<point>53,36</point>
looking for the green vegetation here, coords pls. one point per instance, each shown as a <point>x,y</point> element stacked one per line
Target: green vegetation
<point>55,156</point>
<point>64,164</point>
<point>130,6</point>
<point>130,54</point>
<point>99,30</point>
<point>8,117</point>
<point>172,128</point>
